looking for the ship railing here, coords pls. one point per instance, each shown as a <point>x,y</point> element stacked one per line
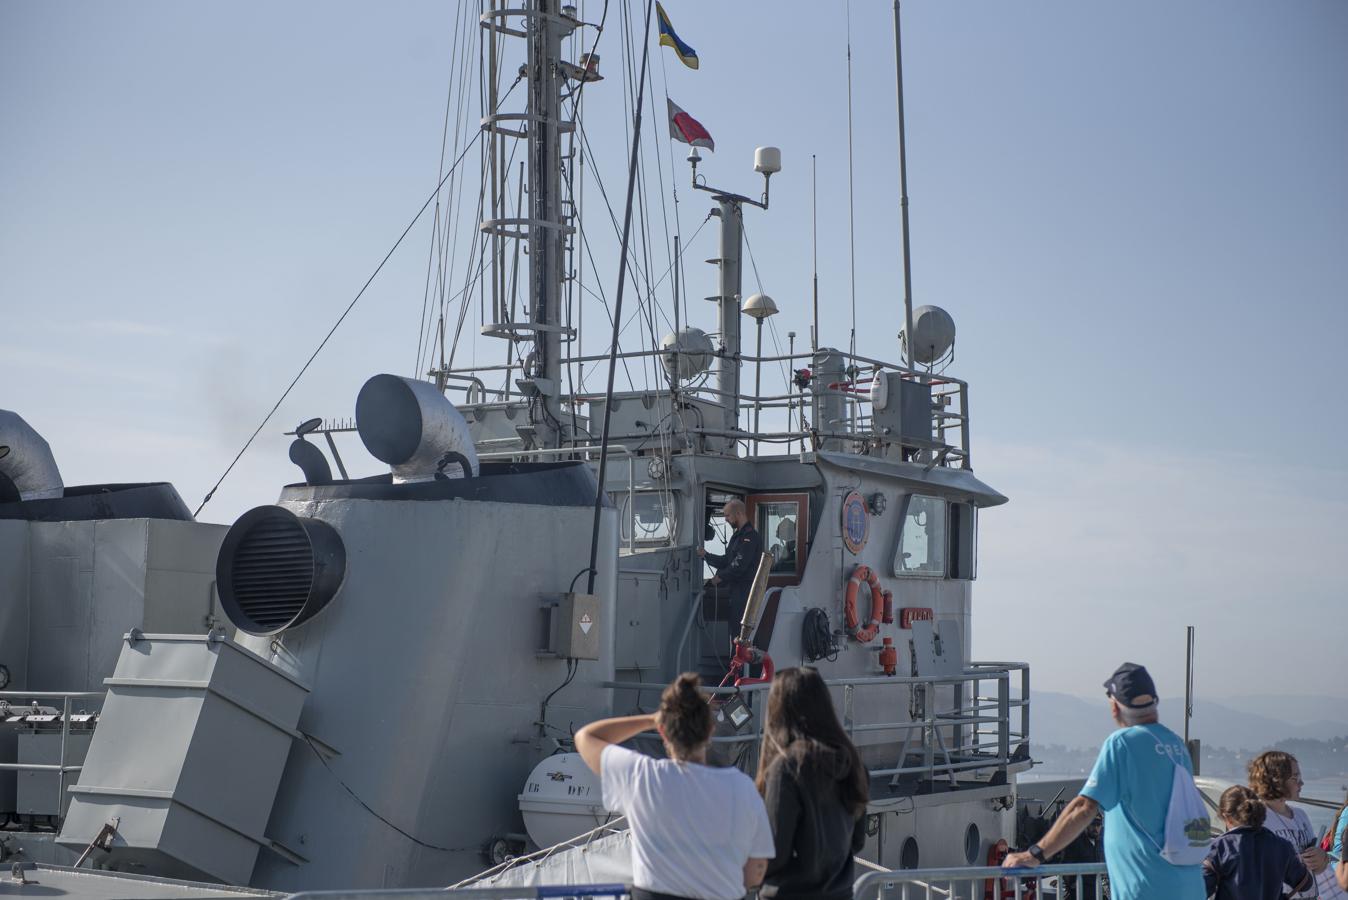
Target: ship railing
<point>61,768</point>
<point>1082,881</point>
<point>948,445</point>
<point>971,737</point>
<point>532,892</point>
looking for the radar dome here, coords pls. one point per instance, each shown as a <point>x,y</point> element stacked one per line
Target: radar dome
<point>933,334</point>
<point>686,353</point>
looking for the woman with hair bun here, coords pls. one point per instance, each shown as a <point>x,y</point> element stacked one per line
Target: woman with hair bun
<point>815,786</point>
<point>698,832</point>
<point>1275,777</point>
<point>1250,862</point>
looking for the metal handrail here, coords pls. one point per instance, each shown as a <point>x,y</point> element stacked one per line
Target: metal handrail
<point>531,892</point>
<point>60,768</point>
<point>993,753</point>
<point>971,882</point>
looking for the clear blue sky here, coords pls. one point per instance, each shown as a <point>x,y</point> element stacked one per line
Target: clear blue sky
<point>1137,214</point>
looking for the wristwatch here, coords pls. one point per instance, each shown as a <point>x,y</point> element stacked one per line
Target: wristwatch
<point>1036,851</point>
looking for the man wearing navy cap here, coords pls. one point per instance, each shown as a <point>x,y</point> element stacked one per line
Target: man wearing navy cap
<point>1131,782</point>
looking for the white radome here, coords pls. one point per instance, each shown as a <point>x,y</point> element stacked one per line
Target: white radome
<point>933,333</point>
<point>687,353</point>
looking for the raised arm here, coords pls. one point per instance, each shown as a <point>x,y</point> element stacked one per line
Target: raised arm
<point>1066,829</point>
<point>593,738</point>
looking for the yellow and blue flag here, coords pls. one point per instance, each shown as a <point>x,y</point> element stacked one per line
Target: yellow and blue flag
<point>687,55</point>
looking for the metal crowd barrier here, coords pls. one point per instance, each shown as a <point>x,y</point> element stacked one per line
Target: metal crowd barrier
<point>1080,881</point>
<point>551,892</point>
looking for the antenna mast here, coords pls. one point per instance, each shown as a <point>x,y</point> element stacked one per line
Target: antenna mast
<point>543,24</point>
<point>903,200</point>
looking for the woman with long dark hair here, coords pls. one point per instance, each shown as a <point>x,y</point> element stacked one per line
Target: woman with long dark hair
<point>698,832</point>
<point>815,787</point>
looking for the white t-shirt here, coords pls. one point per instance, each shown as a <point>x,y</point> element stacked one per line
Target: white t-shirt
<point>693,826</point>
<point>1297,831</point>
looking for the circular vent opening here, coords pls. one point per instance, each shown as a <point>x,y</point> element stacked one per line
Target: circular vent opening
<point>277,569</point>
<point>908,856</point>
<point>973,842</point>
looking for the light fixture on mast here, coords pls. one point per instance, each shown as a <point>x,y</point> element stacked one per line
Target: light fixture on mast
<point>768,161</point>
<point>758,307</point>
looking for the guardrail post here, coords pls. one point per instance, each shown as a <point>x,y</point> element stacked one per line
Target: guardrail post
<point>929,729</point>
<point>849,699</point>
<point>967,462</point>
<point>1004,719</point>
<point>1025,705</point>
<point>61,774</point>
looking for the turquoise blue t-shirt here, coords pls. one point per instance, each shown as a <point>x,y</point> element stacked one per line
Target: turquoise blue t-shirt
<point>1134,771</point>
<point>1340,824</point>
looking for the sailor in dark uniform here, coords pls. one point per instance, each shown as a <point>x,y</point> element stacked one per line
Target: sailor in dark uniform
<point>727,591</point>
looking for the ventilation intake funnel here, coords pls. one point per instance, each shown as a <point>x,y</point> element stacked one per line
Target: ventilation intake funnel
<point>277,569</point>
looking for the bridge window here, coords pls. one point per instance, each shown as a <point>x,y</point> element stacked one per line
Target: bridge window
<point>651,517</point>
<point>921,549</point>
<point>783,522</point>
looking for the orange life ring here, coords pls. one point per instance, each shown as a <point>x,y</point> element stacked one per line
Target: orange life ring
<point>865,631</point>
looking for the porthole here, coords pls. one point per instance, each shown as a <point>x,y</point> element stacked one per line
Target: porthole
<point>908,855</point>
<point>973,842</point>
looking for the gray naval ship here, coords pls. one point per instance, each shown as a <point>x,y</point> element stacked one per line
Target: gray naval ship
<point>368,684</point>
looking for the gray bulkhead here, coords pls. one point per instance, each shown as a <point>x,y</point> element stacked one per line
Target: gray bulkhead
<point>427,682</point>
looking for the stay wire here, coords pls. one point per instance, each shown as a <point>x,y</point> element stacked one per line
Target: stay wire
<point>600,494</point>
<point>851,192</point>
<point>333,330</point>
<point>369,809</point>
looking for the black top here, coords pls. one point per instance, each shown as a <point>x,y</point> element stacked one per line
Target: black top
<point>738,565</point>
<point>1253,864</point>
<point>94,502</point>
<point>816,835</point>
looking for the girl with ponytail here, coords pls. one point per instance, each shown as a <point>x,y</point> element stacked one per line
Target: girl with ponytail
<point>698,832</point>
<point>1250,862</point>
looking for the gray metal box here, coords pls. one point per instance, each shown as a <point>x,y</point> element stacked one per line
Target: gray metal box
<point>908,413</point>
<point>188,753</point>
<point>9,753</point>
<point>38,792</point>
<point>573,629</point>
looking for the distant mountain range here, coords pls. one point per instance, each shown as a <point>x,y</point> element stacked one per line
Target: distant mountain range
<point>1236,723</point>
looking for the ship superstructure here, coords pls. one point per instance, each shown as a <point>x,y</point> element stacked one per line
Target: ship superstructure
<point>389,661</point>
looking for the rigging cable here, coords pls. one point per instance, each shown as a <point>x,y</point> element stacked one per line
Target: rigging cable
<point>851,193</point>
<point>435,227</point>
<point>369,809</point>
<point>323,343</point>
<point>599,493</point>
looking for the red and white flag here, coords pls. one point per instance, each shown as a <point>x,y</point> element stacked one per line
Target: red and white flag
<point>683,127</point>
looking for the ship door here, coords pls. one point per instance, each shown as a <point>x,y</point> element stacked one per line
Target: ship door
<point>783,521</point>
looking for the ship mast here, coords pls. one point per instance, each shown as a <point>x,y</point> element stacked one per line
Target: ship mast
<point>543,24</point>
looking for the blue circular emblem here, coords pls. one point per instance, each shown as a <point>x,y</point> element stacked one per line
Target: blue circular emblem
<point>856,522</point>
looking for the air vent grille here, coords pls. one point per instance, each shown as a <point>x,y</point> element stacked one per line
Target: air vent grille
<point>276,569</point>
<point>273,572</point>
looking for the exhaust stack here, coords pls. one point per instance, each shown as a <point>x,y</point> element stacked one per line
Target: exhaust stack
<point>26,463</point>
<point>411,426</point>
